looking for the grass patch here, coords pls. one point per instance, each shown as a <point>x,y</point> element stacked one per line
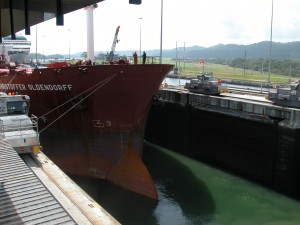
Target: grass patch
<point>227,72</point>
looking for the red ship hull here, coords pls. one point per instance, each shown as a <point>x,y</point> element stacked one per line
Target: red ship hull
<point>92,118</point>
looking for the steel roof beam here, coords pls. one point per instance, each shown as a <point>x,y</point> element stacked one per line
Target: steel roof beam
<point>11,17</point>
<point>59,15</point>
<point>16,15</point>
<point>27,27</point>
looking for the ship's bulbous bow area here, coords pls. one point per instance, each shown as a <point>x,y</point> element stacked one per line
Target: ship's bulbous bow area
<point>131,173</point>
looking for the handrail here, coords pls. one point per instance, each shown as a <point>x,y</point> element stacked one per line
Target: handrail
<point>19,126</point>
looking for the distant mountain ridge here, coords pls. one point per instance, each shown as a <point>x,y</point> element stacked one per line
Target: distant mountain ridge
<point>289,50</point>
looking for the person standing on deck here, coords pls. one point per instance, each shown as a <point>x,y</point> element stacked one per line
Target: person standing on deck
<point>134,58</point>
<point>144,57</point>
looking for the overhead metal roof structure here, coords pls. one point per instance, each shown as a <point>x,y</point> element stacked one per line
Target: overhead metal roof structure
<point>16,15</point>
<point>23,197</point>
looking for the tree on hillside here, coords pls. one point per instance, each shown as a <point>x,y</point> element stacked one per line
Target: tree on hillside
<point>284,67</point>
<point>83,55</point>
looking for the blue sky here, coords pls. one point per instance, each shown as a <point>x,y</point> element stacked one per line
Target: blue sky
<point>193,22</point>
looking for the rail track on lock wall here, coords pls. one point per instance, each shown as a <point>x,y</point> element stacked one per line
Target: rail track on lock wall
<point>237,93</point>
<point>248,91</point>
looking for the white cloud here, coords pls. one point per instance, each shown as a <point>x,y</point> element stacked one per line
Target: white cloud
<point>195,22</point>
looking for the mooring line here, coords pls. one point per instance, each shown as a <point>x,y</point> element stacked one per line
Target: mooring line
<point>105,80</point>
<point>96,89</point>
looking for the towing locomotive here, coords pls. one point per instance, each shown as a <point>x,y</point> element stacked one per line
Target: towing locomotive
<point>281,94</point>
<point>286,95</point>
<point>20,130</point>
<point>206,83</point>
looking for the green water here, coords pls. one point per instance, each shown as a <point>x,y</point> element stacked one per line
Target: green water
<point>193,193</point>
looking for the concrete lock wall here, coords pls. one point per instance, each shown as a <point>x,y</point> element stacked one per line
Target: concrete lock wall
<point>261,148</point>
<point>287,166</point>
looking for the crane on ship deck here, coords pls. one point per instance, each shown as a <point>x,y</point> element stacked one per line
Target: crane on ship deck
<point>110,56</point>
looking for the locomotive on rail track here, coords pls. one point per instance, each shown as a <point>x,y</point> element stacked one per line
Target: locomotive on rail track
<point>206,83</point>
<point>20,130</point>
<point>280,94</point>
<point>286,95</point>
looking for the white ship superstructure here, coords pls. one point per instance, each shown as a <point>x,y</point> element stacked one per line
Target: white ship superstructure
<point>18,48</point>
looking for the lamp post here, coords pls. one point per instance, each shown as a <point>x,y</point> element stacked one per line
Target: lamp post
<point>245,55</point>
<point>36,44</point>
<point>161,28</point>
<point>270,57</point>
<point>43,48</point>
<point>140,36</point>
<point>69,46</point>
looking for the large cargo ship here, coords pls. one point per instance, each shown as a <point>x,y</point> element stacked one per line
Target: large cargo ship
<point>92,117</point>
